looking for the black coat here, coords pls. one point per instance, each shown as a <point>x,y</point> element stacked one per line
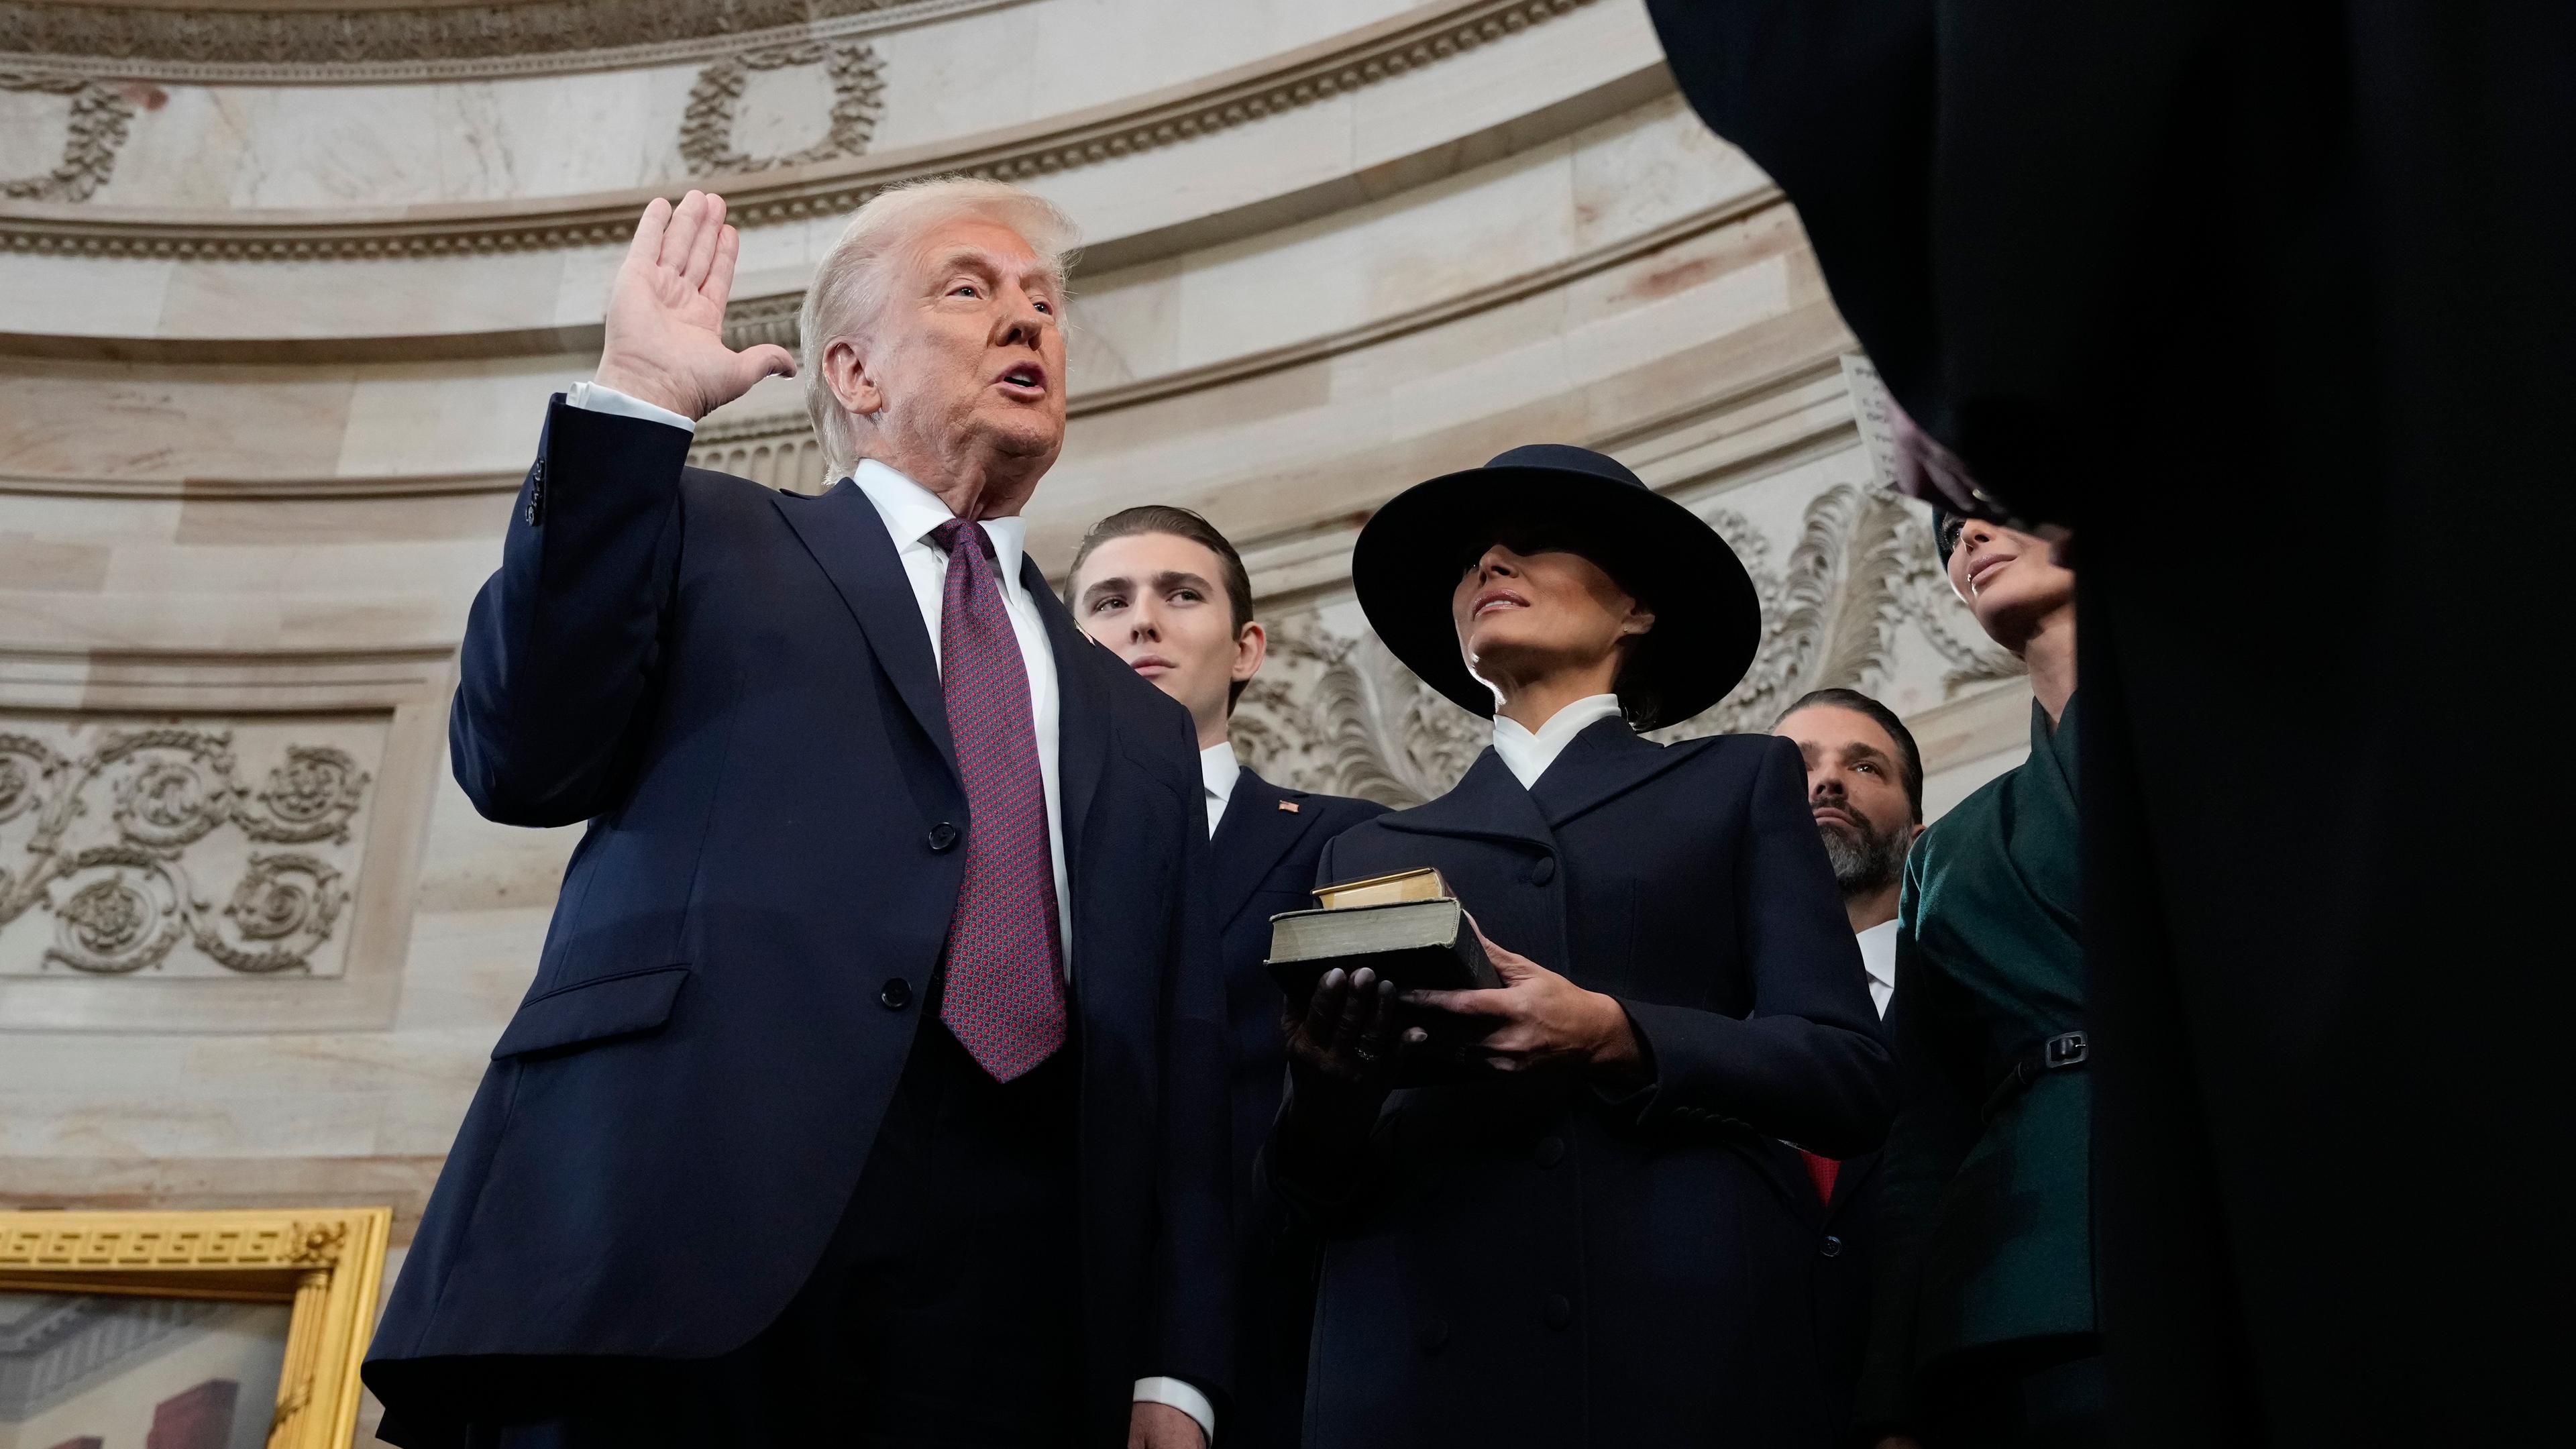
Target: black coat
<point>1264,863</point>
<point>2297,273</point>
<point>1532,1261</point>
<point>733,686</point>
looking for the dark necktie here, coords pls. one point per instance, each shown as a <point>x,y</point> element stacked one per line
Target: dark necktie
<point>1004,996</point>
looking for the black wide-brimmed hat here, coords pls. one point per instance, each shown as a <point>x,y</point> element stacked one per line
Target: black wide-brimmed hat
<point>1708,621</point>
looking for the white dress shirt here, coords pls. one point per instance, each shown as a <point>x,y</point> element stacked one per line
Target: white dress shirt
<point>910,512</point>
<point>1528,755</point>
<point>1878,958</point>
<point>1218,770</point>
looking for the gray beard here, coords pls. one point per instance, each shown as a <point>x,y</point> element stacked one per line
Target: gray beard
<point>1864,860</point>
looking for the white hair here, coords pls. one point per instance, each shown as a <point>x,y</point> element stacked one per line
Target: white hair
<point>852,282</point>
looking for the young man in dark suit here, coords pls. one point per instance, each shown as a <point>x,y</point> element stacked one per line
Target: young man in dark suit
<point>1162,589</point>
<point>869,1090</point>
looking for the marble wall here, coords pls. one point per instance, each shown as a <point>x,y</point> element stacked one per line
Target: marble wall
<point>270,389</point>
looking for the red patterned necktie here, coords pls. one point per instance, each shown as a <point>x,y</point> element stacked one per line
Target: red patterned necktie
<point>1004,997</point>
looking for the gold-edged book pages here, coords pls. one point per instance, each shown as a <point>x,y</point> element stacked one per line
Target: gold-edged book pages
<point>1423,884</point>
<point>229,1327</point>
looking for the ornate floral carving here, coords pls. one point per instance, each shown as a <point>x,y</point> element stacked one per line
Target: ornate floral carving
<point>1344,717</point>
<point>858,99</point>
<point>1341,715</point>
<point>122,906</point>
<point>317,1245</point>
<point>99,115</point>
<point>311,797</point>
<point>1220,107</point>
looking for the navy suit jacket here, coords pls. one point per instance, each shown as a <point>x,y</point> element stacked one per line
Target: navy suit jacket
<point>734,688</point>
<point>1531,1259</point>
<point>1264,863</point>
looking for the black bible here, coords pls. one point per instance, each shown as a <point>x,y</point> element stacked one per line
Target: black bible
<point>1407,928</point>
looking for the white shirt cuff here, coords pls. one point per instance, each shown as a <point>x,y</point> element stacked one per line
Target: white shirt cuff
<point>591,397</point>
<point>1182,1397</point>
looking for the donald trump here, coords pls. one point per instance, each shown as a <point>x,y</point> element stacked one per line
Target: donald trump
<point>871,1087</point>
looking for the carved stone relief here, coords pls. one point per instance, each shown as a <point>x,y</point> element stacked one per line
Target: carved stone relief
<point>100,114</point>
<point>708,126</point>
<point>1335,711</point>
<point>390,32</point>
<point>167,848</point>
<point>296,45</point>
<point>1171,121</point>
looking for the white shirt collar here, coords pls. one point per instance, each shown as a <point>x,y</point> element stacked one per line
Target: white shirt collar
<point>912,511</point>
<point>1878,958</point>
<point>1528,755</point>
<point>1219,769</point>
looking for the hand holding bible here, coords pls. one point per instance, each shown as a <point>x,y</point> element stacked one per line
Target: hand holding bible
<point>664,329</point>
<point>1540,1019</point>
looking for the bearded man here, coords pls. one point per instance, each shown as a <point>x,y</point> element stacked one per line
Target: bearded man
<point>1865,789</point>
<point>872,1086</point>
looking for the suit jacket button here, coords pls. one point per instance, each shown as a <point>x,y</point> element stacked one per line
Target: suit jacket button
<point>942,835</point>
<point>1832,1247</point>
<point>896,994</point>
<point>1432,1336</point>
<point>1557,1312</point>
<point>1550,1151</point>
<point>1544,871</point>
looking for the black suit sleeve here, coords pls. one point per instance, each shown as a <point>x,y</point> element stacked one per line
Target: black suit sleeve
<point>1939,1050</point>
<point>561,645</point>
<point>1194,1253</point>
<point>1807,1064</point>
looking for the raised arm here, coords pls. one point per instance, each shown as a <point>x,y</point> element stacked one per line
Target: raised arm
<point>564,639</point>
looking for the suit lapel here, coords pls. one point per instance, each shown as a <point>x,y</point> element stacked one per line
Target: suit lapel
<point>847,537</point>
<point>1254,837</point>
<point>1487,804</point>
<point>1602,763</point>
<point>1082,711</point>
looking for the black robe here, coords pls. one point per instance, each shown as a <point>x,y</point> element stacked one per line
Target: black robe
<point>2274,305</point>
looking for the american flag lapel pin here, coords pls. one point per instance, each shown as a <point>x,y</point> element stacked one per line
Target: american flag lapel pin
<point>1288,805</point>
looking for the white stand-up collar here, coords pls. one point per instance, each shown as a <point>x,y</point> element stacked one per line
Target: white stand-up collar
<point>1527,755</point>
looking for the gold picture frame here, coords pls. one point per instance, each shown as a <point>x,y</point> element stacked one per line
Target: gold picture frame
<point>326,1264</point>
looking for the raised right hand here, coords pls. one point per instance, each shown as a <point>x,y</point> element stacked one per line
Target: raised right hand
<point>665,322</point>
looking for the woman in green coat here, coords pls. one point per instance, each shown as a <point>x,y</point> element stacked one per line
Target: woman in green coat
<point>1984,1332</point>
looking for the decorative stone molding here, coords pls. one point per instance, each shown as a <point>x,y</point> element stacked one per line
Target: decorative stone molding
<point>299,45</point>
<point>1384,52</point>
<point>715,101</point>
<point>1337,713</point>
<point>211,843</point>
<point>124,902</point>
<point>99,115</point>
<point>751,321</point>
